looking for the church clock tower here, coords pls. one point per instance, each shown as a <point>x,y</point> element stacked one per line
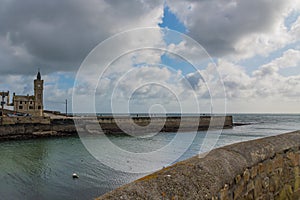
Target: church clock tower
<point>38,94</point>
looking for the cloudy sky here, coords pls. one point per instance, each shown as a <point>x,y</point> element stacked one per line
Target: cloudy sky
<point>253,46</point>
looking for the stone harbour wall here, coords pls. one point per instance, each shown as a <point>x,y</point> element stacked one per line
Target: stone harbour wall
<point>162,124</point>
<point>24,120</point>
<point>267,168</point>
<point>275,178</point>
<point>32,127</point>
<point>60,127</point>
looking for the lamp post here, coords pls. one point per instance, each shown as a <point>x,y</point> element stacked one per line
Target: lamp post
<point>2,107</point>
<point>66,107</point>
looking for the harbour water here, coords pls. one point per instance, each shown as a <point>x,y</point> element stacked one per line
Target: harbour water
<point>43,168</point>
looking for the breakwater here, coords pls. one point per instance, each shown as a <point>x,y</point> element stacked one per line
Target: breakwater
<point>36,130</point>
<point>110,125</point>
<point>267,168</point>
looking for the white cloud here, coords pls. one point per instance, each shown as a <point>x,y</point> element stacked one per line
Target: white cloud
<point>290,58</point>
<point>241,29</point>
<point>266,84</point>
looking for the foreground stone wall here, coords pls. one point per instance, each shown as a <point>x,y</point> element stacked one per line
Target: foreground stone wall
<point>266,168</point>
<point>277,177</point>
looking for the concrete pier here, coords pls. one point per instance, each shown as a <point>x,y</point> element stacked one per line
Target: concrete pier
<point>29,127</point>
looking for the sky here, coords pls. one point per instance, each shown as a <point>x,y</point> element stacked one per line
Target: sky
<point>248,62</point>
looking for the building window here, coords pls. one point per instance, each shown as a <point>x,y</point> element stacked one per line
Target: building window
<point>25,102</point>
<point>21,102</point>
<point>20,107</point>
<point>39,107</point>
<point>30,102</point>
<point>30,107</point>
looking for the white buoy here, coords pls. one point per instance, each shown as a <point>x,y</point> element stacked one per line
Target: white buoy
<point>75,175</point>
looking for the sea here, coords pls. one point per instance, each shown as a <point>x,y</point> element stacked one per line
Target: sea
<point>43,168</point>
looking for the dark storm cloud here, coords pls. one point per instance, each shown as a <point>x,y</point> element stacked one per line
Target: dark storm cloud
<point>219,25</point>
<point>58,34</point>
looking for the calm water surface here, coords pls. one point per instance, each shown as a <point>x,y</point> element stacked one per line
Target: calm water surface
<point>42,168</point>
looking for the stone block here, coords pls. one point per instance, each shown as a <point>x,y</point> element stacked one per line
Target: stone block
<point>266,183</point>
<point>286,193</point>
<point>238,179</point>
<point>246,175</point>
<point>250,186</point>
<point>294,158</point>
<point>278,171</point>
<point>274,184</point>
<point>249,196</point>
<point>278,161</point>
<point>269,167</point>
<point>271,196</point>
<point>254,172</point>
<point>297,184</point>
<point>261,168</point>
<point>238,191</point>
<point>264,196</point>
<point>257,187</point>
<point>296,195</point>
<point>296,171</point>
<point>224,193</point>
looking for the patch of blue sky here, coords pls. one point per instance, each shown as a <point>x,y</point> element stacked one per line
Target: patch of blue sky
<point>171,37</point>
<point>291,19</point>
<point>4,85</point>
<point>65,80</point>
<point>171,22</point>
<point>257,61</point>
<point>177,63</point>
<point>142,64</point>
<point>173,30</point>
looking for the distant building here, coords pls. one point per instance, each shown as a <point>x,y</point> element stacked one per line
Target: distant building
<point>31,104</point>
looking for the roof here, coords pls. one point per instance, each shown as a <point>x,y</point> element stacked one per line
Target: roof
<point>23,98</point>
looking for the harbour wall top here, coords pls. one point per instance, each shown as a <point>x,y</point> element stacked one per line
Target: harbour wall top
<point>267,168</point>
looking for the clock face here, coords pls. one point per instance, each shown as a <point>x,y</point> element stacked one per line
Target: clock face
<point>39,85</point>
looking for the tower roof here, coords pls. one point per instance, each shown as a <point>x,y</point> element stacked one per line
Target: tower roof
<point>38,76</point>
